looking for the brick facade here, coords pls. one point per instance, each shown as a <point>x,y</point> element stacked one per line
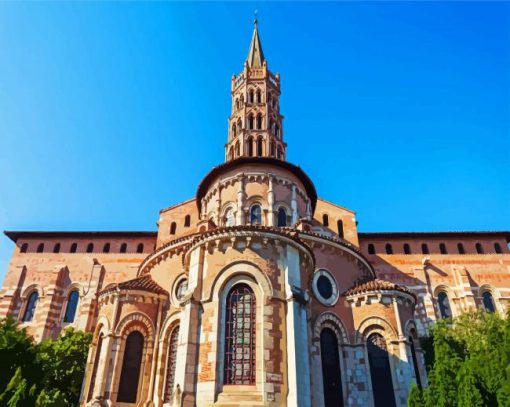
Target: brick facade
<point>256,221</point>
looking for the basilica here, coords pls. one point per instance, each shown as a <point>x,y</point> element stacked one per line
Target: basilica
<point>256,291</point>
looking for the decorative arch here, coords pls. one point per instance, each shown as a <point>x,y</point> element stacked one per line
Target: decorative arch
<point>30,289</point>
<point>409,326</point>
<point>133,321</point>
<point>329,320</point>
<point>102,326</point>
<point>168,325</point>
<point>240,268</point>
<point>372,325</point>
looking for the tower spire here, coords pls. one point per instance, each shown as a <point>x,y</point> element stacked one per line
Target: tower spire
<point>255,125</point>
<point>255,54</point>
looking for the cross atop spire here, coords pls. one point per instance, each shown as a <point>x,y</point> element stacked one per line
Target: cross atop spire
<point>255,54</point>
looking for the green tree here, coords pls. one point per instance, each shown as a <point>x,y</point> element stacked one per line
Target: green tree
<point>469,360</point>
<point>63,363</point>
<point>46,375</point>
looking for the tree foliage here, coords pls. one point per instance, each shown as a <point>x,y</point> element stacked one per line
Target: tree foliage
<point>469,361</point>
<point>41,375</point>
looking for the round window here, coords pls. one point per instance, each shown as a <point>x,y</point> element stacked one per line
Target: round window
<point>324,287</point>
<point>181,288</point>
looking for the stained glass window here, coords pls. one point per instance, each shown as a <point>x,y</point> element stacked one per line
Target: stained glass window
<point>240,336</point>
<point>170,364</point>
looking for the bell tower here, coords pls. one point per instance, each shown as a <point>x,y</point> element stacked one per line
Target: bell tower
<point>255,125</point>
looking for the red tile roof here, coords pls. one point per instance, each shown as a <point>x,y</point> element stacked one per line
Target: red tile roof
<point>144,283</point>
<point>375,285</point>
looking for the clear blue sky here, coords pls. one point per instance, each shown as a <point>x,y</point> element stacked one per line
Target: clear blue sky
<point>111,111</point>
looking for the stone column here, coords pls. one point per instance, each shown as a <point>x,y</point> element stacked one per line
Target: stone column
<point>308,209</point>
<point>402,369</point>
<point>293,205</point>
<point>298,345</point>
<point>270,202</point>
<point>188,342</point>
<point>240,201</point>
<point>218,206</point>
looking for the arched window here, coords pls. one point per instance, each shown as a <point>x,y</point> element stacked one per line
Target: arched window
<point>444,305</point>
<point>250,146</point>
<point>479,248</point>
<point>187,221</point>
<point>380,372</point>
<point>237,104</point>
<point>239,125</point>
<point>371,248</point>
<point>340,227</point>
<point>414,358</point>
<point>272,149</point>
<point>74,247</point>
<point>442,248</point>
<point>259,96</point>
<point>255,215</point>
<point>123,248</point>
<point>72,303</point>
<point>238,149</point>
<point>24,248</point>
<point>407,248</point>
<point>229,218</point>
<point>170,364</point>
<point>331,374</point>
<point>28,315</point>
<point>173,228</point>
<point>460,248</point>
<point>239,365</point>
<point>250,96</point>
<point>389,248</point>
<point>251,122</point>
<point>497,248</point>
<point>488,301</point>
<point>259,122</point>
<point>90,247</point>
<point>231,153</point>
<point>56,248</point>
<point>425,248</point>
<point>282,217</point>
<point>95,366</point>
<point>325,220</point>
<point>234,130</point>
<point>277,130</point>
<point>106,248</point>
<point>131,363</point>
<point>279,153</point>
<point>40,248</point>
<point>259,147</point>
<point>139,248</point>
<point>271,126</point>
